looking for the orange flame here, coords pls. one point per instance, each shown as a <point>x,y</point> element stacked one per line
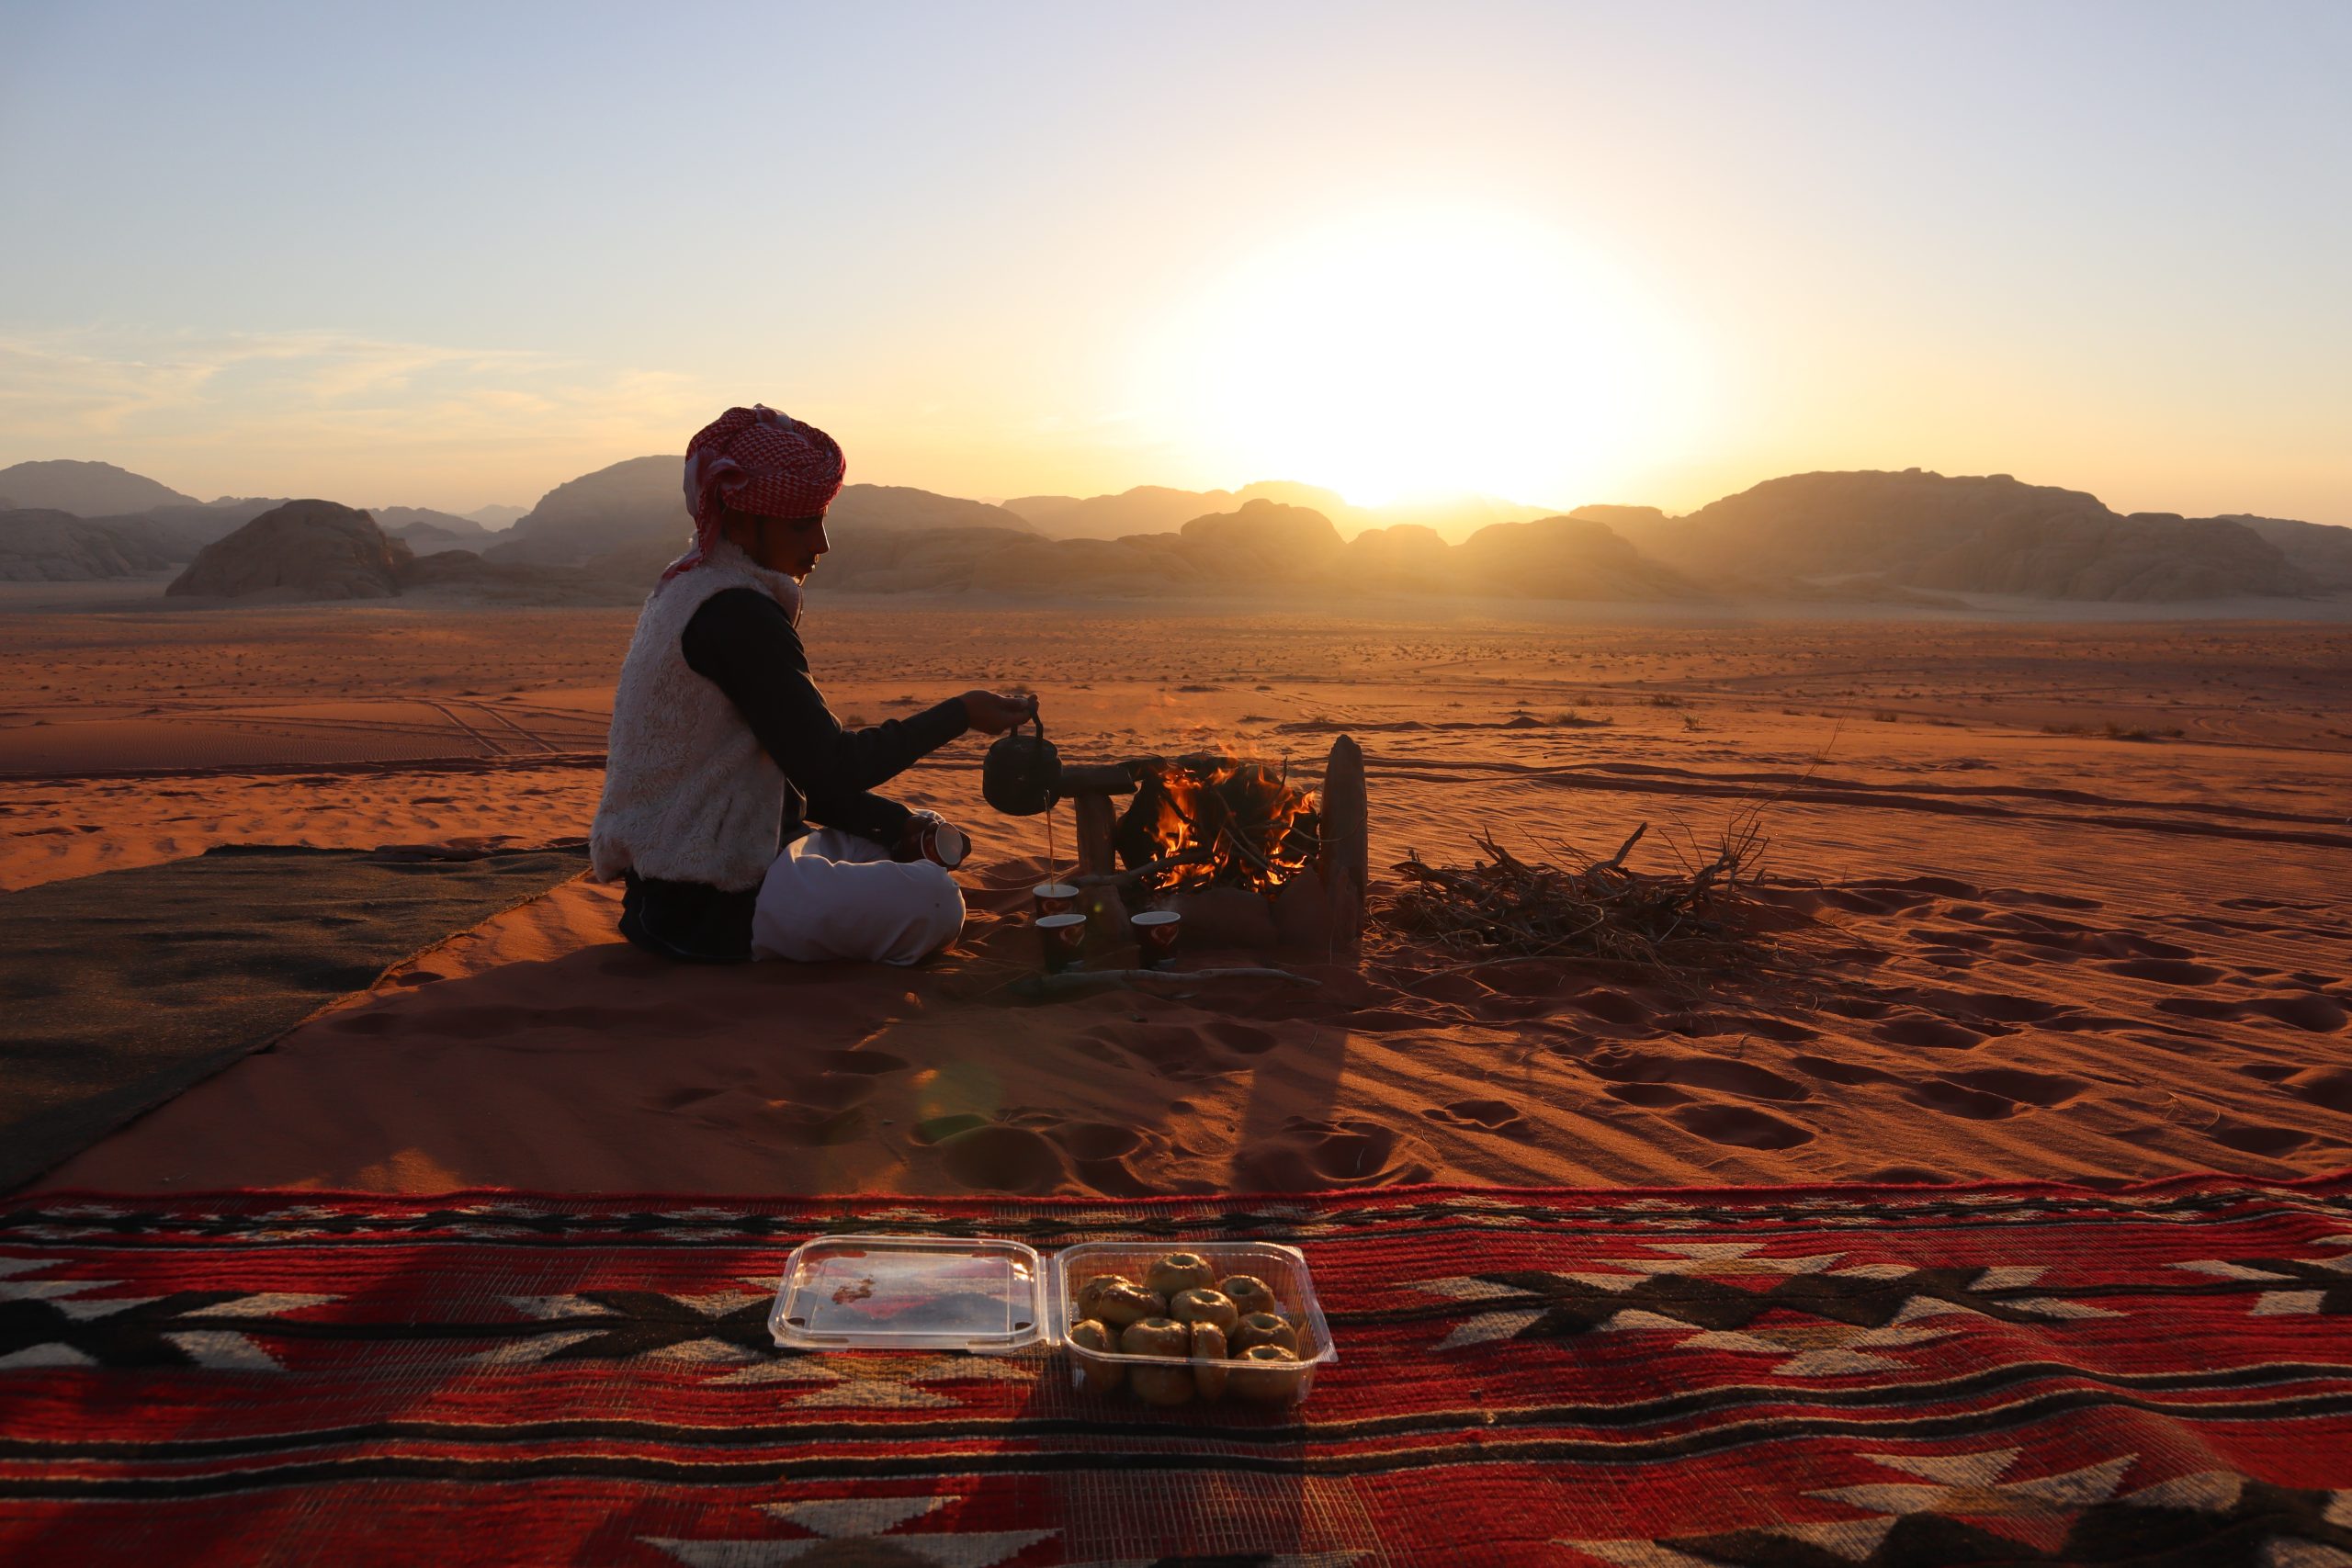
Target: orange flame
<point>1233,824</point>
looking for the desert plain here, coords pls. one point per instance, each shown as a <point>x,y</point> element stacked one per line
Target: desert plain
<point>2043,898</point>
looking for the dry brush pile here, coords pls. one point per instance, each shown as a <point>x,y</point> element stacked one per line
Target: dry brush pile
<point>1695,916</point>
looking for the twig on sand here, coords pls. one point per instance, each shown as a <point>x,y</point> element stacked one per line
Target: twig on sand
<point>1503,908</point>
<point>1071,982</point>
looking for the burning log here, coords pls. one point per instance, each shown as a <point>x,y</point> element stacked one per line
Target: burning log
<point>1208,829</point>
<point>1209,820</point>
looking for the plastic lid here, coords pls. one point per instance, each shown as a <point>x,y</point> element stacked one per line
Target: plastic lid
<point>885,1293</point>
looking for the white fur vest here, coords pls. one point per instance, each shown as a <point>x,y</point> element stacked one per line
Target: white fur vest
<point>689,794</point>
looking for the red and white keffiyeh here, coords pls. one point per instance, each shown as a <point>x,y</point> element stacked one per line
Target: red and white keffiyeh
<point>759,461</point>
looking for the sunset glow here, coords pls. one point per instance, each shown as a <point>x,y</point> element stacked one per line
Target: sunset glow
<point>1555,254</point>
<point>1420,353</point>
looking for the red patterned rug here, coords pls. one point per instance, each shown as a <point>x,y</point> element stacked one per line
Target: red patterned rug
<point>1774,1377</point>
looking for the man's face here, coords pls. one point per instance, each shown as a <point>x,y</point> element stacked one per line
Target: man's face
<point>789,545</point>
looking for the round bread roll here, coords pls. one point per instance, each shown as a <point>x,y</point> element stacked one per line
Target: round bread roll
<point>1263,1328</point>
<point>1157,1337</point>
<point>1123,1304</point>
<point>1249,1293</point>
<point>1102,1377</point>
<point>1171,1384</point>
<point>1208,1360</point>
<point>1203,1306</point>
<point>1266,1373</point>
<point>1180,1271</point>
<point>1088,1300</point>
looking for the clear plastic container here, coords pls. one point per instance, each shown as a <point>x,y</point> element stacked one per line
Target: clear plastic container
<point>896,1292</point>
<point>992,1298</point>
<point>1283,1268</point>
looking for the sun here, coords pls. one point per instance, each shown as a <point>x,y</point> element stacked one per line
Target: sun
<point>1407,355</point>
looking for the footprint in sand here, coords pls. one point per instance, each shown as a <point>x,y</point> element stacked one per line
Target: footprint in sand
<point>1175,1051</point>
<point>2320,1015</point>
<point>746,1113</point>
<point>1615,1007</point>
<point>2313,1012</point>
<point>997,1158</point>
<point>1958,1099</point>
<point>1699,1070</point>
<point>2000,1007</point>
<point>1740,1125</point>
<point>2330,1088</point>
<point>938,1129</point>
<point>2042,1091</point>
<point>1099,1152</point>
<point>1835,1071</point>
<point>2255,1139</point>
<point>1932,1034</point>
<point>2166,971</point>
<point>840,1079</point>
<point>1905,1176</point>
<point>1648,1096</point>
<point>1306,1154</point>
<point>1096,1140</point>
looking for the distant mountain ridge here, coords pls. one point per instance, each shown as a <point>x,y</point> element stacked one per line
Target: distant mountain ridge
<point>640,503</point>
<point>1853,535</point>
<point>1152,509</point>
<point>84,490</point>
<point>1975,535</point>
<point>427,530</point>
<point>2321,551</point>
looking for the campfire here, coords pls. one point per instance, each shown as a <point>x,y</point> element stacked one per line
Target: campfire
<point>1211,834</point>
<point>1218,821</point>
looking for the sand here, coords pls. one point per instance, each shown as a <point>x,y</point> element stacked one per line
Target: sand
<point>2057,901</point>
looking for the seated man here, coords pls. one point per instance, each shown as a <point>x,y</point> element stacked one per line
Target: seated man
<point>722,750</point>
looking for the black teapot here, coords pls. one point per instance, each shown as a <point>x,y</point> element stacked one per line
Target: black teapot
<point>1021,773</point>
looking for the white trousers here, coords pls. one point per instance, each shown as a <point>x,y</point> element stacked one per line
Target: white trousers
<point>833,895</point>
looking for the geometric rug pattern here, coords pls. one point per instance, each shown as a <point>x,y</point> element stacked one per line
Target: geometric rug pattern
<point>1762,1378</point>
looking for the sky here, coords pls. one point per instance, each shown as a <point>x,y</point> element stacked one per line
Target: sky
<point>447,255</point>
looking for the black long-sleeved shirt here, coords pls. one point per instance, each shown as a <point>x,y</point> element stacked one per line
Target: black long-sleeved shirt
<point>743,641</point>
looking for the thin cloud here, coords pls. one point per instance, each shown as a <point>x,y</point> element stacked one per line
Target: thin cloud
<point>328,395</point>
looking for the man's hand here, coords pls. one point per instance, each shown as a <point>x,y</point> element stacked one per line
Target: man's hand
<point>992,714</point>
<point>928,836</point>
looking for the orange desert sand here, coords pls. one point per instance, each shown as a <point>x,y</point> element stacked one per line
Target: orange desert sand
<point>2063,901</point>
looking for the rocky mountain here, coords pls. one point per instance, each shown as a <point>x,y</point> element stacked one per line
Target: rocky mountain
<point>1561,558</point>
<point>304,549</point>
<point>1912,536</point>
<point>428,531</point>
<point>1154,508</point>
<point>899,507</point>
<point>2321,551</point>
<point>1262,548</point>
<point>1989,534</point>
<point>1263,542</point>
<point>41,545</point>
<point>1147,509</point>
<point>640,500</point>
<point>599,512</point>
<point>498,518</point>
<point>85,489</point>
<point>404,520</point>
